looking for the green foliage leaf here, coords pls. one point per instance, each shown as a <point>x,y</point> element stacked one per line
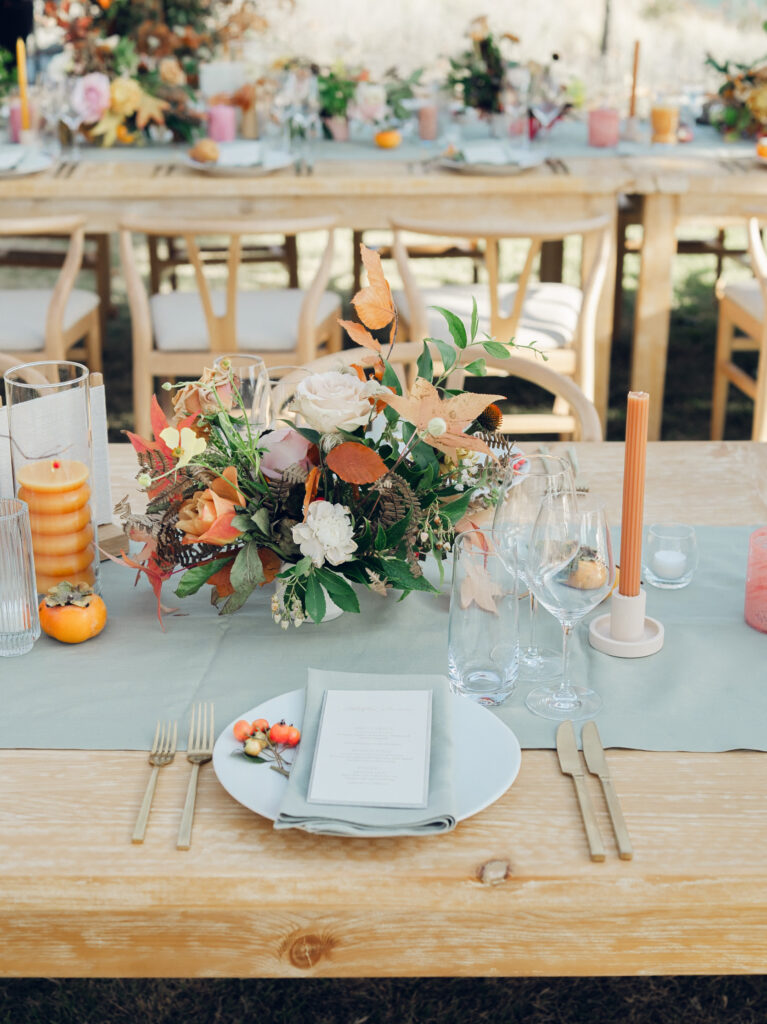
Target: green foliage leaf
<point>447,352</point>
<point>261,518</point>
<point>399,574</point>
<point>474,318</point>
<point>314,600</point>
<point>455,510</point>
<point>425,366</point>
<point>380,543</point>
<point>390,379</point>
<point>354,572</point>
<point>194,578</point>
<point>478,367</point>
<point>247,572</point>
<point>455,326</point>
<point>397,531</point>
<point>310,435</point>
<point>339,590</point>
<point>495,348</point>
<point>235,601</point>
<point>242,523</point>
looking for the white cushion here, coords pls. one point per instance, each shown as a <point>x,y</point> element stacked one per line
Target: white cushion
<point>23,312</point>
<point>549,315</point>
<point>747,295</point>
<point>267,319</point>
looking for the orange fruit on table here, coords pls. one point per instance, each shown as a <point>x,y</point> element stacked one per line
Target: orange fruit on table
<point>388,139</point>
<point>72,614</point>
<point>761,147</point>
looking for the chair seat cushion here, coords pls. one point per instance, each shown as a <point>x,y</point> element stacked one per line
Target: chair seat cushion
<point>23,312</point>
<point>549,315</point>
<point>267,319</point>
<point>746,294</point>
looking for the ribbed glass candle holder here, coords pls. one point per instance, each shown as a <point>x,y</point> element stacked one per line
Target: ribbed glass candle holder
<point>19,622</point>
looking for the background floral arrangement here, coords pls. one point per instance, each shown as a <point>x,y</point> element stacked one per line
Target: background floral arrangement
<point>742,109</point>
<point>138,60</point>
<point>374,482</point>
<point>479,72</point>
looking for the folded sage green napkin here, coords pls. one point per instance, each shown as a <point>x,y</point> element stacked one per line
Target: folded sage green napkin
<point>345,820</point>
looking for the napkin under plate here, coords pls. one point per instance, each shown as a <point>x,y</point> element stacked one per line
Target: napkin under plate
<point>332,819</point>
<point>496,152</point>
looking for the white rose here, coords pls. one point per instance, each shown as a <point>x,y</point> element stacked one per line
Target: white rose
<point>326,535</point>
<point>333,400</point>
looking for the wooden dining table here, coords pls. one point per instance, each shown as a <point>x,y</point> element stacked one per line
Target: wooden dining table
<point>511,891</point>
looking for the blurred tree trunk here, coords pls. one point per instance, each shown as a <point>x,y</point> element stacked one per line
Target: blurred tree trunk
<point>606,29</point>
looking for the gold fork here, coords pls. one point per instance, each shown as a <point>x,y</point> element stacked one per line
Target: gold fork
<point>199,749</point>
<point>163,751</point>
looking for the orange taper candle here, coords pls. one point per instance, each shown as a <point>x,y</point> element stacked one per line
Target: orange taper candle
<point>637,415</point>
<point>634,76</point>
<point>21,74</point>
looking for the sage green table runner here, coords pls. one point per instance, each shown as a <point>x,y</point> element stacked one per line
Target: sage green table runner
<point>706,690</point>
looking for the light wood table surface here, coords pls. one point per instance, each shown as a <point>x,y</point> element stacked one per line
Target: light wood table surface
<point>76,898</point>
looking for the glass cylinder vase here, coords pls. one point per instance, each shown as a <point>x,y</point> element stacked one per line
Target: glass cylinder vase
<point>52,461</point>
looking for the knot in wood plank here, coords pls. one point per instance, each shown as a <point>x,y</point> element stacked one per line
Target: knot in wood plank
<point>306,951</point>
<point>494,872</point>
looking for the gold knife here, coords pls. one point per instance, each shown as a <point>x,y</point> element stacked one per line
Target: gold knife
<point>597,764</point>
<point>570,763</point>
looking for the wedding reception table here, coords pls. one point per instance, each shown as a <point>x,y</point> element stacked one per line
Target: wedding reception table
<point>78,899</point>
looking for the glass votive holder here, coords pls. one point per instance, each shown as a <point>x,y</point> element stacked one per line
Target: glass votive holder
<point>19,621</point>
<point>483,626</point>
<point>756,581</point>
<point>670,555</point>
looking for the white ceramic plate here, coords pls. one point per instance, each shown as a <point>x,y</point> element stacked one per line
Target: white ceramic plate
<point>274,162</point>
<point>30,163</point>
<point>489,170</point>
<point>487,758</point>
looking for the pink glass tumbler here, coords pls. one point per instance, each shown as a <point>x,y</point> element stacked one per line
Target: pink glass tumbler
<point>604,127</point>
<point>222,123</point>
<point>756,581</point>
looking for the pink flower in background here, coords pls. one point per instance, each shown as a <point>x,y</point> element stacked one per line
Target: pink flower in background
<point>284,447</point>
<point>91,96</point>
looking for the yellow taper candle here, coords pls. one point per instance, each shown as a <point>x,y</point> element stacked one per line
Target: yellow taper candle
<point>21,71</point>
<point>635,456</point>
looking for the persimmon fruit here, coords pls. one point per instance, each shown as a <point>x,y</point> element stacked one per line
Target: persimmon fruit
<point>71,613</point>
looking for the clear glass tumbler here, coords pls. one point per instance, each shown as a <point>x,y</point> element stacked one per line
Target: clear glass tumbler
<point>670,555</point>
<point>52,458</point>
<point>250,376</point>
<point>756,581</point>
<point>19,622</point>
<point>483,629</point>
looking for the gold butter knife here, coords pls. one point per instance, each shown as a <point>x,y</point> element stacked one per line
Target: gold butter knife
<point>570,763</point>
<point>594,753</point>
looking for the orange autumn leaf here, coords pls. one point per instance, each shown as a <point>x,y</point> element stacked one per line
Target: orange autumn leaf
<point>359,335</point>
<point>359,371</point>
<point>312,485</point>
<point>221,580</point>
<point>355,463</point>
<point>270,562</point>
<point>459,411</point>
<point>374,304</point>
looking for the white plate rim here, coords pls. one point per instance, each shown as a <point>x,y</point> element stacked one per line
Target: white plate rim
<point>462,167</point>
<point>485,765</point>
<point>240,170</point>
<point>36,164</point>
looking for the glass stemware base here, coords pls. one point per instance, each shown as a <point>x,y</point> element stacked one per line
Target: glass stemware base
<point>537,664</point>
<point>578,703</point>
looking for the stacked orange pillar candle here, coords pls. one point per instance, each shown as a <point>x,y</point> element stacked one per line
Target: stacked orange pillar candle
<point>635,457</point>
<point>58,496</point>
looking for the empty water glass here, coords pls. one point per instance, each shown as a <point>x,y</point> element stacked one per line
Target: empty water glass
<point>252,400</point>
<point>19,622</point>
<point>483,629</point>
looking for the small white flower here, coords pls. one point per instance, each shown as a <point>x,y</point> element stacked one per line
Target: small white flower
<point>436,426</point>
<point>326,535</point>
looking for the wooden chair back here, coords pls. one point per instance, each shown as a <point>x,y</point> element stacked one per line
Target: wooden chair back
<point>74,228</point>
<point>585,419</point>
<point>595,235</point>
<point>222,329</point>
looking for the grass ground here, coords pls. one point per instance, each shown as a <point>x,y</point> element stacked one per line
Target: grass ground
<point>711,1000</point>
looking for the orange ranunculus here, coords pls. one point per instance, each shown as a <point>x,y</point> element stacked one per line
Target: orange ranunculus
<point>207,517</point>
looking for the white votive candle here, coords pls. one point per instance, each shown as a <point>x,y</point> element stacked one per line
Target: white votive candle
<point>669,565</point>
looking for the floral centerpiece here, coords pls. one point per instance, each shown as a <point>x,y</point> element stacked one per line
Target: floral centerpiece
<point>7,72</point>
<point>741,109</point>
<point>367,484</point>
<point>479,72</point>
<point>137,62</point>
<point>336,88</point>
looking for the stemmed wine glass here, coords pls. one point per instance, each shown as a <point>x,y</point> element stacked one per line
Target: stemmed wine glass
<point>251,378</point>
<point>528,481</point>
<point>570,569</point>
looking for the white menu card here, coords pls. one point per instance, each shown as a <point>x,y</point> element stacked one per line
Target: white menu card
<point>373,749</point>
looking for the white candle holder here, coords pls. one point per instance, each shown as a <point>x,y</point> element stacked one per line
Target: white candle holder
<point>625,631</point>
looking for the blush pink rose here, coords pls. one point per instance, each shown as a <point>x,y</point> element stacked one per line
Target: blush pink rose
<point>91,96</point>
<point>284,447</point>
